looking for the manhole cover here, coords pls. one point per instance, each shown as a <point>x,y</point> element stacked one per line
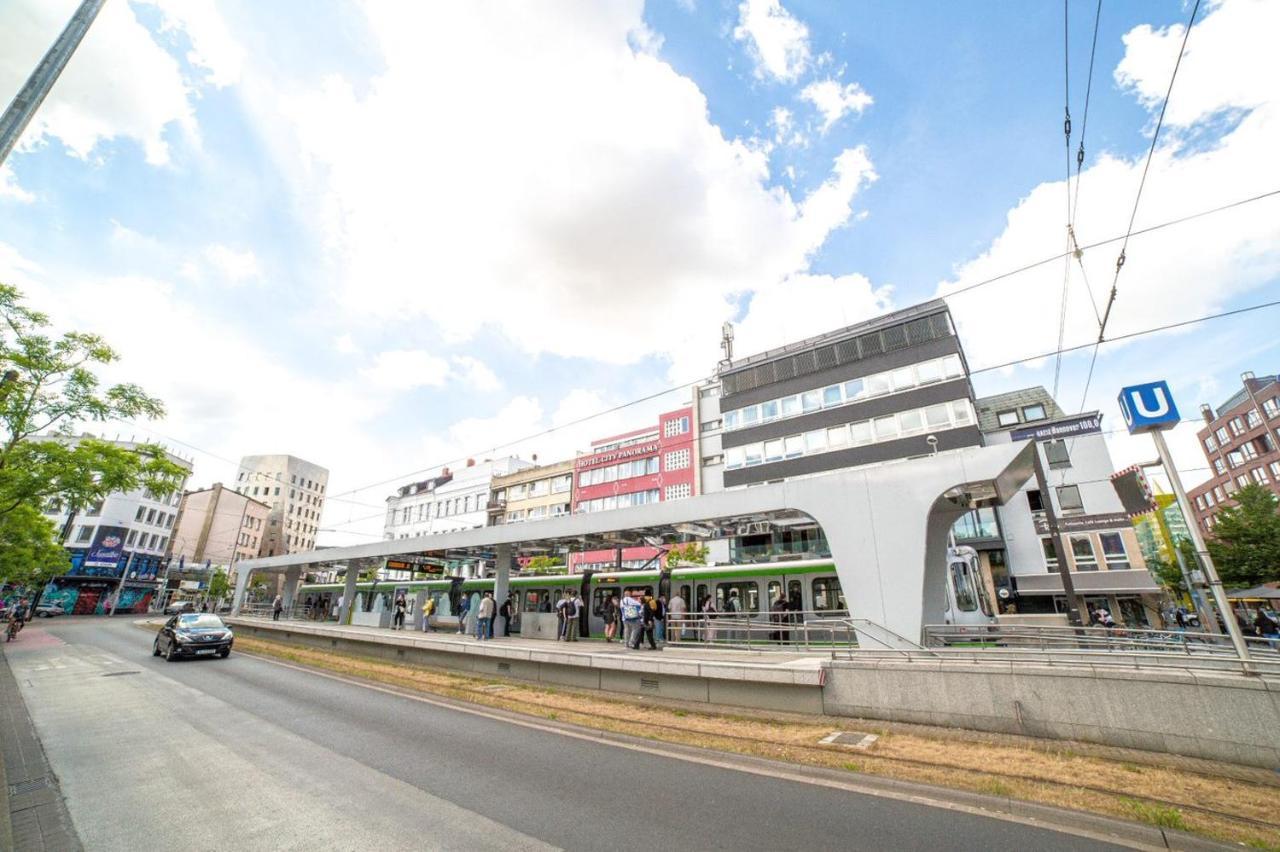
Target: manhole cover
<point>117,674</point>
<point>851,739</point>
<point>28,786</point>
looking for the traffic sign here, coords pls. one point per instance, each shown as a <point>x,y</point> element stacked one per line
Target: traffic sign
<point>1148,407</point>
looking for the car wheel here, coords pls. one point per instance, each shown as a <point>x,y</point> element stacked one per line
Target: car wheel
<point>171,653</point>
<point>224,653</point>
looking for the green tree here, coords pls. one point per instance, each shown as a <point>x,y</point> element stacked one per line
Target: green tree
<point>29,553</point>
<point>49,388</point>
<point>544,565</point>
<point>219,585</point>
<point>692,553</point>
<point>1246,539</point>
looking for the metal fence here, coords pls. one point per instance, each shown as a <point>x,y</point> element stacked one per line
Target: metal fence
<point>785,631</point>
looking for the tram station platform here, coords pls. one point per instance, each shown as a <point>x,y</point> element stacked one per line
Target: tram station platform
<point>772,681</point>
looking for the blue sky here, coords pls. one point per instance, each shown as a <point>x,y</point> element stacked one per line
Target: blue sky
<point>387,236</point>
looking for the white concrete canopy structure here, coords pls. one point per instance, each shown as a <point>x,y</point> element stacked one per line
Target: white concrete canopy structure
<point>887,527</point>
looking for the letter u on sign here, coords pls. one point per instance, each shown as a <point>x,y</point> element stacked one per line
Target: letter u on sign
<point>1148,407</point>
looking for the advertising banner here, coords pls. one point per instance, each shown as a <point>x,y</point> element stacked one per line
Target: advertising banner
<point>1086,425</point>
<point>106,551</point>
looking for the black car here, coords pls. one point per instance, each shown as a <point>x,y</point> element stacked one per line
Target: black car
<point>193,635</point>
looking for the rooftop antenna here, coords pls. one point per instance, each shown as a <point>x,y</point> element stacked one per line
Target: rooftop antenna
<point>726,345</point>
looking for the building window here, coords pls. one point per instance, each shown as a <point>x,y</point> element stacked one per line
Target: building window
<point>1200,503</point>
<point>133,536</point>
<point>1033,412</point>
<point>142,513</point>
<point>1069,498</point>
<point>1223,437</point>
<point>1208,499</point>
<point>1033,500</point>
<point>1248,450</point>
<point>1219,466</point>
<point>1235,458</point>
<point>679,460</point>
<point>1056,453</point>
<point>1082,553</point>
<point>1237,426</point>
<point>1113,551</point>
<point>1254,418</point>
<point>1271,406</point>
<point>1243,479</point>
<point>1007,418</point>
<point>1050,556</point>
<point>1275,470</point>
<point>151,516</point>
<point>1210,444</point>
<point>1259,475</point>
<point>675,426</point>
<point>677,492</point>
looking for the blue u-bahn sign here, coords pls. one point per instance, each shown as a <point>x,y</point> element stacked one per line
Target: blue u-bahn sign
<point>1148,408</point>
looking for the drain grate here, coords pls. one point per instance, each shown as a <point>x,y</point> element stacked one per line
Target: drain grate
<point>851,739</point>
<point>504,667</point>
<point>118,674</point>
<point>29,786</point>
<point>649,683</point>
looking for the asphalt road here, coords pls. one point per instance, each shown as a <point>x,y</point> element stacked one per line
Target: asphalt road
<point>246,754</point>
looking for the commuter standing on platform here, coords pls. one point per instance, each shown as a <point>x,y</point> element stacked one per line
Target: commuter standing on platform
<point>660,618</point>
<point>676,611</point>
<point>428,610</point>
<point>484,616</point>
<point>397,621</point>
<point>276,606</point>
<point>632,615</point>
<point>562,616</point>
<point>648,613</point>
<point>572,616</point>
<point>508,612</point>
<point>609,612</point>
<point>463,604</point>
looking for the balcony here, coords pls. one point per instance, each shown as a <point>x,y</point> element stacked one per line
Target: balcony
<point>496,507</point>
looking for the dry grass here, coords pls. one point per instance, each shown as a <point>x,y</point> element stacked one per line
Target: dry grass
<point>1053,777</point>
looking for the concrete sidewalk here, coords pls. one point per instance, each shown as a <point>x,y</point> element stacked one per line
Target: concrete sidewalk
<point>33,815</point>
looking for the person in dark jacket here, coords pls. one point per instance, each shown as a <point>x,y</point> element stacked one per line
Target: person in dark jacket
<point>507,611</point>
<point>647,619</point>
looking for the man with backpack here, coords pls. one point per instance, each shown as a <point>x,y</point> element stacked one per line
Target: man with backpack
<point>648,616</point>
<point>632,618</point>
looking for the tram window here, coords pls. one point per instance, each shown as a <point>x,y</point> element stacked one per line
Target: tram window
<point>535,599</point>
<point>748,596</point>
<point>598,598</point>
<point>684,593</point>
<point>827,595</point>
<point>644,590</point>
<point>963,588</point>
<point>795,598</point>
<point>774,592</point>
<point>702,595</point>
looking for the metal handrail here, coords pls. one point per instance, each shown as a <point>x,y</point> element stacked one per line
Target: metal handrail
<point>1117,638</point>
<point>1269,666</point>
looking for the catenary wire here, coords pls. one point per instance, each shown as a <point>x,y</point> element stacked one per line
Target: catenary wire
<point>1137,200</point>
<point>1066,133</point>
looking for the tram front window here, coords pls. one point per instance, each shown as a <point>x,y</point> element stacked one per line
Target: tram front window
<point>962,584</point>
<point>827,595</point>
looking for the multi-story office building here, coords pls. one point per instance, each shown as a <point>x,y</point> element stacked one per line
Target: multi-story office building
<point>219,527</point>
<point>890,388</point>
<point>649,465</point>
<point>532,494</point>
<point>454,500</point>
<point>295,491</point>
<point>1096,535</point>
<point>1241,444</point>
<point>117,546</point>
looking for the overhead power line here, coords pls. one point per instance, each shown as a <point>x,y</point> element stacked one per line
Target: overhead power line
<point>1137,200</point>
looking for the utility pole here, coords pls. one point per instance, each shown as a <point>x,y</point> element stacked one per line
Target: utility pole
<point>32,94</point>
<point>1074,616</point>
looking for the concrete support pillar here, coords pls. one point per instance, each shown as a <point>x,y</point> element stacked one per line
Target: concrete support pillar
<point>502,574</point>
<point>291,577</point>
<point>242,585</point>
<point>349,592</point>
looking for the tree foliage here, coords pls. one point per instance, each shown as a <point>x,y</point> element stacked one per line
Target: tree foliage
<point>219,585</point>
<point>50,388</point>
<point>692,553</point>
<point>1246,539</point>
<point>29,553</point>
<point>544,565</point>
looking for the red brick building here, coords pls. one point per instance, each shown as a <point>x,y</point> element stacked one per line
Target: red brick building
<point>1241,444</point>
<point>649,465</point>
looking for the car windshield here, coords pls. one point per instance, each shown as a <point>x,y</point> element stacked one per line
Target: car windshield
<point>197,622</point>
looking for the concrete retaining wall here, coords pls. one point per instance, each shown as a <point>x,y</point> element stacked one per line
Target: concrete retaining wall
<point>685,680</point>
<point>1214,716</point>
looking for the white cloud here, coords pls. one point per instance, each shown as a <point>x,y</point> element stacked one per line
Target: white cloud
<point>344,344</point>
<point>776,41</point>
<point>835,101</point>
<point>636,213</point>
<point>475,374</point>
<point>120,83</point>
<point>213,47</point>
<point>1166,273</point>
<point>406,369</point>
<point>9,187</point>
<point>233,266</point>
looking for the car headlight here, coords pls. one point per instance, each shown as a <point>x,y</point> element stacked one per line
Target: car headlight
<point>182,637</point>
<point>228,635</point>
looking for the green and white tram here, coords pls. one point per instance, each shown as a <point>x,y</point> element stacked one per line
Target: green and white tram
<point>808,586</point>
